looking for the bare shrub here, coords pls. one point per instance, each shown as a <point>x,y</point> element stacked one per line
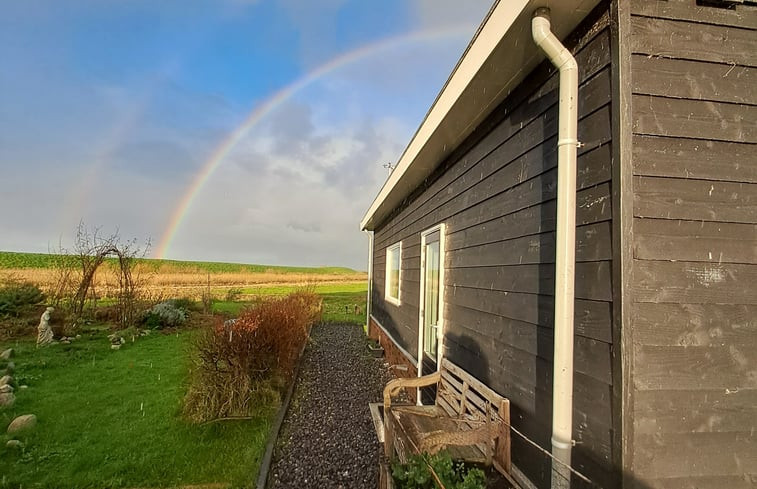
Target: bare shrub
<point>75,274</point>
<point>232,358</point>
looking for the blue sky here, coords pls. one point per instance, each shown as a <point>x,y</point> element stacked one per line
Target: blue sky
<point>108,109</point>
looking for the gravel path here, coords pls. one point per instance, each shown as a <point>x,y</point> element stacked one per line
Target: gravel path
<point>328,439</point>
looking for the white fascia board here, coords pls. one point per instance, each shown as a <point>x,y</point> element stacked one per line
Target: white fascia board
<point>496,61</point>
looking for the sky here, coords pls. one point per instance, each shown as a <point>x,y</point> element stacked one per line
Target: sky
<point>250,131</point>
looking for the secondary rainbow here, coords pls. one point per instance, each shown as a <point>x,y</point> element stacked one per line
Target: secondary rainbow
<point>273,102</point>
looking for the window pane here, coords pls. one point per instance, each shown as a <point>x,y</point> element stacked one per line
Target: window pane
<point>393,272</point>
<point>432,296</point>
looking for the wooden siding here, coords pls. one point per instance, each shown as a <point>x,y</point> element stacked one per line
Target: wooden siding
<point>496,195</point>
<point>694,311</point>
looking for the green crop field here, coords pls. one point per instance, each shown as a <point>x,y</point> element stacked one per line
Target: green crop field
<point>14,260</point>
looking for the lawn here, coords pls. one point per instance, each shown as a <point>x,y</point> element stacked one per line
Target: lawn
<point>112,419</point>
<point>339,301</point>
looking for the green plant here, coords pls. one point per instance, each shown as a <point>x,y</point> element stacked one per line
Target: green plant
<point>425,471</point>
<point>233,294</point>
<point>165,314</point>
<point>16,295</point>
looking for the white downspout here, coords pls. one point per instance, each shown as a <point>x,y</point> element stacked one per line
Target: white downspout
<point>368,301</point>
<point>562,399</point>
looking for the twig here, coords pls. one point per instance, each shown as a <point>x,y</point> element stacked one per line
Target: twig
<point>227,418</point>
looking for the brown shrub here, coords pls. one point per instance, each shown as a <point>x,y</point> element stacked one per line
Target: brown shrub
<point>233,358</point>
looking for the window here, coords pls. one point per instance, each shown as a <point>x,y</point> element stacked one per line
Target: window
<point>393,258</point>
<point>432,293</point>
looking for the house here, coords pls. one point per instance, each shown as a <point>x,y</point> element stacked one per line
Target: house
<point>664,324</point>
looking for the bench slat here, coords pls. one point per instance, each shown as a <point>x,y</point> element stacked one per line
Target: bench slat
<point>479,386</point>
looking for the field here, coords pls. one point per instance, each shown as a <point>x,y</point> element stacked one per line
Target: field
<point>113,418</point>
<point>190,279</point>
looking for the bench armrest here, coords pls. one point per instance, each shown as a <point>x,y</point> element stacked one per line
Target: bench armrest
<point>396,385</point>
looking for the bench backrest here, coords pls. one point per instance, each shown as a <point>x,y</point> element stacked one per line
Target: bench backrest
<point>463,396</point>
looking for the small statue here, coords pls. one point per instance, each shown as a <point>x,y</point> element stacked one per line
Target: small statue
<point>44,331</point>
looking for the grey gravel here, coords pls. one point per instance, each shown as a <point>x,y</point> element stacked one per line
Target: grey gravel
<point>328,439</point>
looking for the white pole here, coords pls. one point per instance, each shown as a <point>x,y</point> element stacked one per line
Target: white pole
<point>562,399</point>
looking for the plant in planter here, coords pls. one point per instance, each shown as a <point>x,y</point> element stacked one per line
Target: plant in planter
<point>437,471</point>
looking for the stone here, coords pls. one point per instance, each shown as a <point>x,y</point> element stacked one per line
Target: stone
<point>5,388</point>
<point>44,331</point>
<point>15,444</point>
<point>7,354</point>
<point>115,347</point>
<point>22,423</point>
<point>65,342</point>
<point>23,386</point>
<point>6,379</point>
<point>7,399</point>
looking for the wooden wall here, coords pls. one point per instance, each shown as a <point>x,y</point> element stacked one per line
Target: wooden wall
<point>694,296</point>
<point>497,198</point>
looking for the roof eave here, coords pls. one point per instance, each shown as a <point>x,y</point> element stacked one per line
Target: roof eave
<point>498,58</point>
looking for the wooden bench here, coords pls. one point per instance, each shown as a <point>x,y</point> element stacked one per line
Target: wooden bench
<point>468,419</point>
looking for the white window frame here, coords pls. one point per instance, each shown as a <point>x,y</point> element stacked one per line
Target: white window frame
<point>440,332</point>
<point>387,296</point>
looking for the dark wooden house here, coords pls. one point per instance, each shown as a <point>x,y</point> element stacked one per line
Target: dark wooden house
<point>462,258</point>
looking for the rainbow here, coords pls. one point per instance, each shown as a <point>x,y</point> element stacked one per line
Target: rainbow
<point>276,100</point>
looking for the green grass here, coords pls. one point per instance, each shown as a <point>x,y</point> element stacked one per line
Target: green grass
<point>324,288</point>
<point>112,419</point>
<point>10,259</point>
<point>339,301</point>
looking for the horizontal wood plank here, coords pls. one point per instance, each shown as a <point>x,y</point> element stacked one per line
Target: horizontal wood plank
<point>694,80</point>
<point>696,455</point>
<point>712,242</point>
<point>678,198</point>
<point>694,282</point>
<point>592,357</point>
<point>660,116</point>
<point>690,10</point>
<point>741,481</point>
<point>694,367</point>
<point>695,411</point>
<point>592,318</point>
<point>656,156</point>
<point>681,40</point>
<point>592,244</point>
<point>720,325</point>
<point>593,279</point>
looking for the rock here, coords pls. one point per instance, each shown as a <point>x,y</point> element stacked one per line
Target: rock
<point>7,399</point>
<point>15,444</point>
<point>6,379</point>
<point>22,423</point>
<point>5,388</point>
<point>115,347</point>
<point>23,386</point>
<point>65,342</point>
<point>78,336</point>
<point>7,354</point>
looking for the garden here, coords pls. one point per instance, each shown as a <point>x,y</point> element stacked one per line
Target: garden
<point>182,393</point>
